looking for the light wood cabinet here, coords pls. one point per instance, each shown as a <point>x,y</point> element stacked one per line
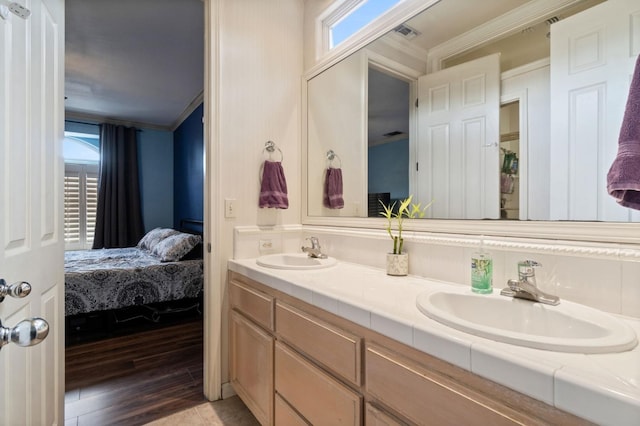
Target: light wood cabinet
<point>317,396</point>
<point>423,397</point>
<point>251,366</point>
<point>286,415</point>
<point>337,350</point>
<point>253,304</point>
<point>376,417</point>
<point>295,364</point>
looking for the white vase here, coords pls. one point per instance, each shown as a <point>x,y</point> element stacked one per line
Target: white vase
<point>398,264</point>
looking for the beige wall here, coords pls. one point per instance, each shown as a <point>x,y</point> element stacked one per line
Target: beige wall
<point>255,69</point>
<point>312,9</point>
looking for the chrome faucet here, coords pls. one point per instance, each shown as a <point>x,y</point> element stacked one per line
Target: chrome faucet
<point>315,250</point>
<point>525,286</point>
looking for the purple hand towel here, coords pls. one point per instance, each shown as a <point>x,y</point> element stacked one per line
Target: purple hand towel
<point>273,189</point>
<point>333,189</point>
<point>623,179</point>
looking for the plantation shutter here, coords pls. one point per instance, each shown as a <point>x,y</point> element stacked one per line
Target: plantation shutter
<point>80,201</point>
<point>71,208</point>
<point>91,203</point>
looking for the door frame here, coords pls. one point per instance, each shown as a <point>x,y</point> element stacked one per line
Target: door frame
<point>214,265</point>
<point>523,160</point>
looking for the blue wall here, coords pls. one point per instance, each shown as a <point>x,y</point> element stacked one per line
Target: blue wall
<point>188,163</point>
<point>389,169</point>
<point>155,160</point>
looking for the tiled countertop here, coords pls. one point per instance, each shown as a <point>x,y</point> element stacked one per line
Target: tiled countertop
<point>602,388</point>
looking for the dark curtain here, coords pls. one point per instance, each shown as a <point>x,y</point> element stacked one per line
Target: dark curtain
<point>118,217</point>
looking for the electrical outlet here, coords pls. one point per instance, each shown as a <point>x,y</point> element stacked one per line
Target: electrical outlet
<point>229,208</point>
<point>265,245</point>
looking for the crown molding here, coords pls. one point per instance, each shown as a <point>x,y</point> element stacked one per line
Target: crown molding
<point>96,119</point>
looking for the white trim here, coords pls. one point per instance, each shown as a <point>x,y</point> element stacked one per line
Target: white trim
<point>329,17</point>
<point>394,17</point>
<point>522,97</point>
<point>544,246</point>
<point>213,273</point>
<point>532,66</point>
<point>396,68</point>
<point>251,230</point>
<point>227,390</point>
<point>193,105</point>
<point>613,232</point>
<point>96,119</point>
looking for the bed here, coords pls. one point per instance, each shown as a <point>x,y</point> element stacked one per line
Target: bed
<point>166,266</point>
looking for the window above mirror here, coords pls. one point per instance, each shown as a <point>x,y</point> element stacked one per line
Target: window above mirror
<point>352,16</point>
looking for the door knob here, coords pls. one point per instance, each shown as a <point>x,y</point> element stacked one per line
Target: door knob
<point>19,289</point>
<point>26,333</point>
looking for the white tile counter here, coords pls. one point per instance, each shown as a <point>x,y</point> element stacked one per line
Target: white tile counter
<point>603,388</point>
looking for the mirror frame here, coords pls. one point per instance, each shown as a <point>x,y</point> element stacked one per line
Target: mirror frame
<point>601,232</point>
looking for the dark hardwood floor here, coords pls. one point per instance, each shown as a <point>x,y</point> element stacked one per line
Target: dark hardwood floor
<point>135,378</point>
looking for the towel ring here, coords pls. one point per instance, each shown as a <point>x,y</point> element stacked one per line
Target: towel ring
<point>270,147</point>
<point>331,155</point>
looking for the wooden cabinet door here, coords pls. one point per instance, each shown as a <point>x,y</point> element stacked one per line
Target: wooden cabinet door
<point>251,366</point>
<point>320,398</point>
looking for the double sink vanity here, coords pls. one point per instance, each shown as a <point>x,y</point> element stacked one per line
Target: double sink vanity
<point>321,341</point>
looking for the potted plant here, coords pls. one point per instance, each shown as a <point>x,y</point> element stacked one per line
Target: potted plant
<point>398,261</point>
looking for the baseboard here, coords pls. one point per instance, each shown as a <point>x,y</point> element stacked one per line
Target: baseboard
<point>227,390</point>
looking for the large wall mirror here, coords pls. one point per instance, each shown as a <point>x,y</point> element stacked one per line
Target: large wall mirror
<point>505,115</point>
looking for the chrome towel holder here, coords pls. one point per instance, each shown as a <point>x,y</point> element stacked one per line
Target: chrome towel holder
<point>271,147</point>
<point>331,156</point>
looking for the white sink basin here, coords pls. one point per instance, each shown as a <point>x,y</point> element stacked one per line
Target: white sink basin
<point>567,327</point>
<point>294,261</point>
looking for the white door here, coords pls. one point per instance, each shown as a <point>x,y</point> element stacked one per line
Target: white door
<point>458,140</point>
<point>31,237</point>
<point>592,59</point>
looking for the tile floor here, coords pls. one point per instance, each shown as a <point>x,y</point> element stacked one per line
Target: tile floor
<point>226,412</point>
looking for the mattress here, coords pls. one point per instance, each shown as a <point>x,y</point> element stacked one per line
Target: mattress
<point>97,280</point>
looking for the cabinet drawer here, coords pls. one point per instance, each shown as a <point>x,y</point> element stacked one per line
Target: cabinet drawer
<point>287,416</point>
<point>252,303</point>
<point>318,397</point>
<point>337,350</point>
<point>421,397</point>
<point>375,417</point>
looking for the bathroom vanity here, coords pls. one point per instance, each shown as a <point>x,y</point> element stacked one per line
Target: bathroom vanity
<point>347,345</point>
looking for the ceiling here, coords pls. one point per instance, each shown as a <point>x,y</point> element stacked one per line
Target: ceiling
<point>142,62</point>
<point>139,62</point>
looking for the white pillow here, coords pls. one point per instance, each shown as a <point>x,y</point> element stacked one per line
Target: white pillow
<point>174,247</point>
<point>153,237</point>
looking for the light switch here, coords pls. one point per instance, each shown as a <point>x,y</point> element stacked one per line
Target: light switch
<point>229,208</point>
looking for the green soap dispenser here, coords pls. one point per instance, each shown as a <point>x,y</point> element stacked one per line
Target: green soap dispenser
<point>481,272</point>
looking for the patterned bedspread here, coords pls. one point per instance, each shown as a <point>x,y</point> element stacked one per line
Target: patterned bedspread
<point>103,279</point>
